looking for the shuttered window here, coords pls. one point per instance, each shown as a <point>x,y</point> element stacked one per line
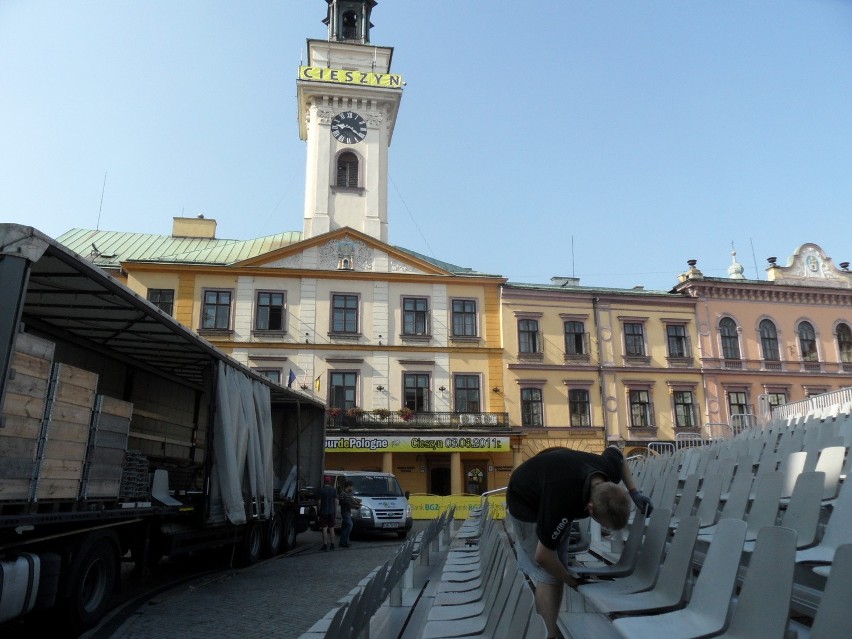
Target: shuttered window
<point>347,170</point>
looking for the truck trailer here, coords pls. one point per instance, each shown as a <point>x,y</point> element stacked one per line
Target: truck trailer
<point>127,437</point>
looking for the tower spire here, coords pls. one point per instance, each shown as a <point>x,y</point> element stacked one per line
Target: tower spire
<point>349,20</point>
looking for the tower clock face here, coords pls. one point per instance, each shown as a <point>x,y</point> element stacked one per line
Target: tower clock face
<point>348,127</point>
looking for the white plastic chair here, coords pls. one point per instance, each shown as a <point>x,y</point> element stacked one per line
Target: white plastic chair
<point>707,610</point>
<point>647,564</point>
<point>763,605</point>
<point>764,508</point>
<point>627,559</point>
<point>669,592</point>
<point>833,617</point>
<point>838,530</point>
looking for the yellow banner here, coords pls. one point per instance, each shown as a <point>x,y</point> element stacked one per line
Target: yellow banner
<point>343,76</point>
<point>431,506</point>
<point>415,444</point>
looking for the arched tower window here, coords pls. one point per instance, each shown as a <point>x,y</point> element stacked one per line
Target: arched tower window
<point>844,343</point>
<point>347,169</point>
<point>807,342</point>
<point>730,340</point>
<point>349,24</point>
<point>769,341</point>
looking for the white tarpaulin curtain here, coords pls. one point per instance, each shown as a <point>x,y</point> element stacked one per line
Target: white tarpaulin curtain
<point>242,441</point>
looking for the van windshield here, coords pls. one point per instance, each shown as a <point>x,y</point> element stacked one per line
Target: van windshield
<point>376,486</point>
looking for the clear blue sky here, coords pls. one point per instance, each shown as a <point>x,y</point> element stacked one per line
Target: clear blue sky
<point>642,132</point>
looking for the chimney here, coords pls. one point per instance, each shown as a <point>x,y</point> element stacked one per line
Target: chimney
<point>565,281</point>
<point>195,227</point>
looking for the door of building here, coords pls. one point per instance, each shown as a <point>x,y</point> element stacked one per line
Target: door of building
<point>475,477</point>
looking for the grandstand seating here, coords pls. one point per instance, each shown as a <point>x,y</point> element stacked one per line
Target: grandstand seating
<point>751,536</point>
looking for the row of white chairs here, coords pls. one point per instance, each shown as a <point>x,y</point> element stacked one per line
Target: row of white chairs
<point>380,604</point>
<point>482,593</point>
<point>734,596</point>
<point>784,486</point>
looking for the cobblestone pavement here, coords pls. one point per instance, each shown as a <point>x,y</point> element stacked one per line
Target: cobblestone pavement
<point>281,597</point>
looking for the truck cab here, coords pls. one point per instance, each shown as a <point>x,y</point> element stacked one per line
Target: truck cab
<point>384,506</point>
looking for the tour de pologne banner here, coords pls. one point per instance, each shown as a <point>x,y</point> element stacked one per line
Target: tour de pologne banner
<point>415,444</point>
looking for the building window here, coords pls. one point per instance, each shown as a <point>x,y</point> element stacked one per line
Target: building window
<point>350,25</point>
<point>162,298</point>
<point>529,340</point>
<point>273,374</point>
<point>347,169</point>
<point>531,407</point>
<point>776,399</point>
<point>730,339</point>
<point>678,341</point>
<point>575,339</point>
<point>344,313</point>
<point>416,389</point>
<point>738,403</point>
<point>844,343</point>
<point>769,341</point>
<point>216,311</point>
<point>270,312</point>
<point>579,407</point>
<point>684,409</point>
<point>415,316</point>
<point>464,318</point>
<point>342,389</point>
<point>466,393</point>
<point>634,339</point>
<point>641,409</point>
<point>807,342</point>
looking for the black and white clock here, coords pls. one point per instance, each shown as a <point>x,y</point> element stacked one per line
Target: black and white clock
<point>348,127</point>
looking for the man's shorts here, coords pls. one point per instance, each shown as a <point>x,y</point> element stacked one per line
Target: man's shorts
<point>526,542</point>
<point>325,520</point>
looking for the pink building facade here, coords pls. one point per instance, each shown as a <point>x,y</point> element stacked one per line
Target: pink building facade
<point>768,342</point>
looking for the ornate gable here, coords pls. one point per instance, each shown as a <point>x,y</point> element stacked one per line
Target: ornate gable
<point>344,250</point>
<point>810,266</point>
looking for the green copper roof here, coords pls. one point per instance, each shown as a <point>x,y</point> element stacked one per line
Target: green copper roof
<point>108,248</point>
<point>452,268</point>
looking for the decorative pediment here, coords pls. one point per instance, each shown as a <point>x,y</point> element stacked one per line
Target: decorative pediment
<point>810,266</point>
<point>345,251</point>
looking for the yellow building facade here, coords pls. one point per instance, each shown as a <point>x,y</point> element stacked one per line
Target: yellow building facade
<point>587,368</point>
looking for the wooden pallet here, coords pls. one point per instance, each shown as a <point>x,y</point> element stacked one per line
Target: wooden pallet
<point>23,412</point>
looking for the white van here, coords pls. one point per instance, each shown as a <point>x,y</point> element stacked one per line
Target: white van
<point>384,507</point>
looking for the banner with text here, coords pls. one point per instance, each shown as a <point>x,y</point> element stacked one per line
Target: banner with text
<point>431,506</point>
<point>415,444</point>
<point>343,76</point>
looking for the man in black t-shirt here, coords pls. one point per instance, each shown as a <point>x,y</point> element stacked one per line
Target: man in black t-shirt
<point>545,494</point>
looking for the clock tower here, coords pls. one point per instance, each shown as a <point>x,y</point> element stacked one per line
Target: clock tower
<point>348,100</point>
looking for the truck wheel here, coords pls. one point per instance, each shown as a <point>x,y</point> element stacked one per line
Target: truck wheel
<point>92,580</point>
<point>289,531</point>
<point>252,544</point>
<point>274,535</point>
<point>402,534</point>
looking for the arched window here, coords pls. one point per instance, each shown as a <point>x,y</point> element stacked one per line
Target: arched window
<point>769,341</point>
<point>347,169</point>
<point>844,342</point>
<point>350,24</point>
<point>730,340</point>
<point>807,342</point>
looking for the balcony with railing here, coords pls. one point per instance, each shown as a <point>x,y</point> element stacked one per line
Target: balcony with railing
<point>415,421</point>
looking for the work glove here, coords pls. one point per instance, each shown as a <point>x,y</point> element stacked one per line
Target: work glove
<point>642,502</point>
